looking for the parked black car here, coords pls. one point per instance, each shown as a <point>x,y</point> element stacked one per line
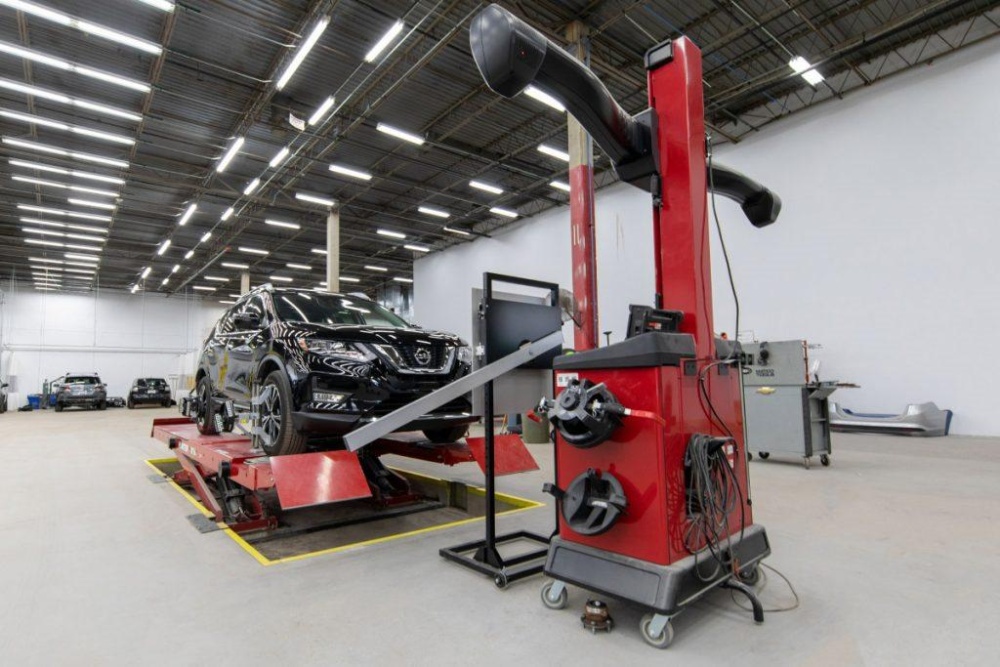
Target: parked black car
<point>81,390</point>
<point>319,363</point>
<point>149,391</point>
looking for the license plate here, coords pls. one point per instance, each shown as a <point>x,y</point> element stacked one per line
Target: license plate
<point>150,391</point>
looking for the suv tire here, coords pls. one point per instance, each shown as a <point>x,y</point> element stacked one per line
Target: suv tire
<point>102,405</point>
<point>276,418</point>
<point>130,404</point>
<point>444,436</point>
<point>206,417</point>
<point>59,406</point>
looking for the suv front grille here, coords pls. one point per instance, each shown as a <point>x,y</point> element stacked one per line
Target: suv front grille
<point>419,358</point>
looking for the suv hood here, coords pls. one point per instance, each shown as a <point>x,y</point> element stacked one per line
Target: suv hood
<point>367,334</point>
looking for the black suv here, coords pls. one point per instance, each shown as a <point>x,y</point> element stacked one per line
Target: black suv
<point>303,363</point>
<point>146,391</point>
<point>80,389</point>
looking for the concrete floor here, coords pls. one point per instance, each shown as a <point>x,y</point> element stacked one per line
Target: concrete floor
<point>892,550</point>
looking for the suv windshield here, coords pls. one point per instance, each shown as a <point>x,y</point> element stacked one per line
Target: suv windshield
<point>153,383</point>
<point>320,308</point>
<point>82,380</point>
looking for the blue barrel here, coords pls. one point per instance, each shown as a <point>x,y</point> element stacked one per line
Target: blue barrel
<point>35,401</point>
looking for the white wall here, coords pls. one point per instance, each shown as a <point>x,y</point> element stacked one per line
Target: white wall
<point>119,335</point>
<point>884,253</point>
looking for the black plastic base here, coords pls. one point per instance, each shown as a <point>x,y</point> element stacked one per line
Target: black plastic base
<point>664,589</point>
<point>485,559</point>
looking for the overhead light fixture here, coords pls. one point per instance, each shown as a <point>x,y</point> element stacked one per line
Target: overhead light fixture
<point>205,237</point>
<point>235,265</point>
<point>280,279</point>
<point>453,230</point>
<point>321,111</point>
<point>400,279</point>
<point>349,171</point>
<point>165,280</point>
<point>91,204</point>
<point>76,155</point>
<point>227,214</point>
<point>146,272</point>
<point>400,134</point>
<point>54,96</point>
<point>188,212</point>
<point>88,272</point>
<point>560,185</point>
<point>302,52</point>
<point>230,153</point>
<point>802,66</point>
<point>32,119</point>
<point>62,212</point>
<point>163,247</point>
<point>83,26</point>
<point>53,244</point>
<point>85,248</point>
<point>372,267</point>
<point>505,212</point>
<point>251,186</point>
<point>486,187</point>
<point>544,98</point>
<point>253,251</point>
<point>203,288</point>
<point>416,248</point>
<point>66,172</point>
<point>313,199</point>
<point>189,254</point>
<point>134,288</point>
<point>163,5</point>
<point>282,223</point>
<point>278,158</point>
<point>384,41</point>
<point>82,258</point>
<point>390,233</point>
<point>177,267</point>
<point>318,251</point>
<point>45,260</point>
<point>300,267</point>
<point>64,186</point>
<point>436,212</point>
<point>349,279</point>
<point>68,235</point>
<point>553,152</point>
<point>226,302</point>
<point>217,279</point>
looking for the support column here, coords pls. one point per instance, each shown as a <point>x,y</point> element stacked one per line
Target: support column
<point>333,250</point>
<point>581,211</point>
<point>244,282</point>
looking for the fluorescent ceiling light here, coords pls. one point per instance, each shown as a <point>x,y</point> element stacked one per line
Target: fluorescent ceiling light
<point>205,237</point>
<point>321,111</point>
<point>251,186</point>
<point>83,26</point>
<point>802,66</point>
<point>322,201</point>
<point>203,288</point>
<point>384,41</point>
<point>253,251</point>
<point>227,303</point>
<point>63,212</point>
<point>164,5</point>
<point>486,187</point>
<point>304,48</point>
<point>505,212</point>
<point>134,288</point>
<point>76,155</point>
<point>348,171</point>
<point>281,279</point>
<point>235,265</point>
<point>64,186</point>
<point>282,223</point>
<point>400,134</point>
<point>553,152</point>
<point>218,279</point>
<point>53,244</point>
<point>66,172</point>
<point>436,212</point>
<point>559,185</point>
<point>380,269</point>
<point>54,96</point>
<point>318,251</point>
<point>83,258</point>
<point>177,267</point>
<point>189,254</point>
<point>146,272</point>
<point>416,248</point>
<point>88,272</point>
<point>45,260</point>
<point>49,232</point>
<point>349,279</point>
<point>31,119</point>
<point>230,153</point>
<point>278,158</point>
<point>188,212</point>
<point>399,279</point>
<point>165,280</point>
<point>163,247</point>
<point>300,267</point>
<point>460,232</point>
<point>390,234</point>
<point>85,248</point>
<point>544,98</point>
<point>227,214</point>
<point>91,204</point>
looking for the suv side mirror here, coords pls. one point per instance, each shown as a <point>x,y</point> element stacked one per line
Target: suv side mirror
<point>247,320</point>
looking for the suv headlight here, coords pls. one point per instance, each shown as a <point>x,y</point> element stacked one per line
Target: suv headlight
<point>335,348</point>
<point>465,354</point>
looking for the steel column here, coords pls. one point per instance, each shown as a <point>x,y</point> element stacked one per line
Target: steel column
<point>333,250</point>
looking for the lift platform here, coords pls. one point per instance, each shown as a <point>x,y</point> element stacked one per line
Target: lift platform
<point>231,478</point>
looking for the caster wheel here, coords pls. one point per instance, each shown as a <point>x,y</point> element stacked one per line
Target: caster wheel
<point>763,455</point>
<point>559,602</point>
<point>825,460</point>
<point>500,581</point>
<point>750,576</point>
<point>661,640</point>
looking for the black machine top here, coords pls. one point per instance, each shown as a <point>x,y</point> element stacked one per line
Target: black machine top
<point>645,350</point>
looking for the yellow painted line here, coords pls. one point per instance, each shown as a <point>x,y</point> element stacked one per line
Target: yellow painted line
<point>521,504</point>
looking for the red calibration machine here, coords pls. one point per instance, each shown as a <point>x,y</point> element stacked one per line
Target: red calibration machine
<point>651,470</point>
